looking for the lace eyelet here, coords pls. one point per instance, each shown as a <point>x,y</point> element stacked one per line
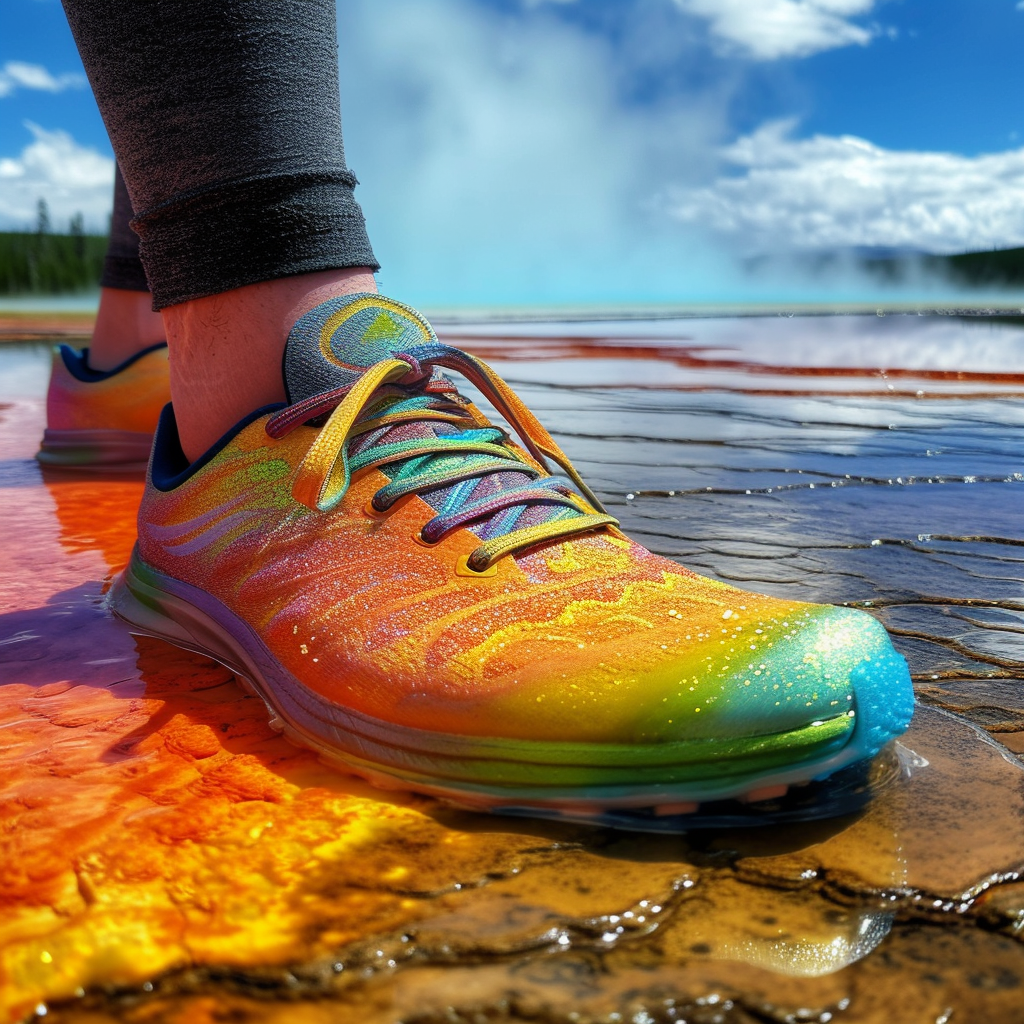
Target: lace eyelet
<point>423,543</point>
<point>371,510</point>
<point>463,568</point>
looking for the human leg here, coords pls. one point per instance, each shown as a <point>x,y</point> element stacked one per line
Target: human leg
<point>227,348</point>
<point>230,142</point>
<point>125,320</point>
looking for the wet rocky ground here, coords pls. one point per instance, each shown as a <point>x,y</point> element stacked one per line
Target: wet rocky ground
<point>166,857</point>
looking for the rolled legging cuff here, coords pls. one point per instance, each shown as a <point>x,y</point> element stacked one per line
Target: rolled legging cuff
<point>255,229</point>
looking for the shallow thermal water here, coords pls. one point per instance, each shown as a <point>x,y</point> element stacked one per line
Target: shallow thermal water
<point>166,857</point>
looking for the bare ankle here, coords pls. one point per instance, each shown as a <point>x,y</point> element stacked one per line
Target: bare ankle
<point>125,325</point>
<point>226,349</point>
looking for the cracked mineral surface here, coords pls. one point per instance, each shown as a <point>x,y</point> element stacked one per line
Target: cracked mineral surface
<point>166,857</point>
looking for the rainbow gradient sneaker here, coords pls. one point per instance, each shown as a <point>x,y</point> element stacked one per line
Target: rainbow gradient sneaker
<point>103,420</point>
<point>442,610</point>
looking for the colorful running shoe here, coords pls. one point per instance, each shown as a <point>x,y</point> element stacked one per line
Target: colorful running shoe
<point>441,609</point>
<point>103,420</point>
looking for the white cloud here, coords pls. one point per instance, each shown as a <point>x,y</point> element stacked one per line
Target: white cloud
<point>71,178</point>
<point>16,74</point>
<point>771,29</point>
<point>827,192</point>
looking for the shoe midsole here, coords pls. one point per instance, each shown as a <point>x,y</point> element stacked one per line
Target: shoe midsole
<point>159,605</point>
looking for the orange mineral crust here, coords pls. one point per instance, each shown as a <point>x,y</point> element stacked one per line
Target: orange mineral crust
<point>166,856</point>
<point>152,820</point>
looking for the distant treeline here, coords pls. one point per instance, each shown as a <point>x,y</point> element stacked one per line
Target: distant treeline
<point>32,263</point>
<point>1000,268</point>
<point>991,270</point>
<point>43,263</point>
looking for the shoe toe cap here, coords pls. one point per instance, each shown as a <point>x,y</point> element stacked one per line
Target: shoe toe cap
<point>816,665</point>
<point>827,663</point>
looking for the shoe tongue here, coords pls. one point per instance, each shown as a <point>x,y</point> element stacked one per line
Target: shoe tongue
<point>332,344</point>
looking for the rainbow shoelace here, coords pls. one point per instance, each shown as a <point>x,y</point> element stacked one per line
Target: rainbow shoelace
<point>404,416</point>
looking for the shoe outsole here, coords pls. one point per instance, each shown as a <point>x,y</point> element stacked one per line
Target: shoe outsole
<point>95,450</point>
<point>396,757</point>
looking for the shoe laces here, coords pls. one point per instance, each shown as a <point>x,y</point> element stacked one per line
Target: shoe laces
<point>460,450</point>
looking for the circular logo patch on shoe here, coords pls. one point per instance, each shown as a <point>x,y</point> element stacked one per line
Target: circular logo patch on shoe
<point>330,346</point>
<point>370,329</point>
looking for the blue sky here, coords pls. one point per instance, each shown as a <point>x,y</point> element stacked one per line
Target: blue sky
<point>581,150</point>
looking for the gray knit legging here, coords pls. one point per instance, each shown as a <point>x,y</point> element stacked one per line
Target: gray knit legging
<point>225,121</point>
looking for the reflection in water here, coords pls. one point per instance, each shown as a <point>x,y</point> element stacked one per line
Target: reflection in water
<point>165,856</point>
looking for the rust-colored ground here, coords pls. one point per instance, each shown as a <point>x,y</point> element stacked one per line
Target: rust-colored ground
<point>166,857</point>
